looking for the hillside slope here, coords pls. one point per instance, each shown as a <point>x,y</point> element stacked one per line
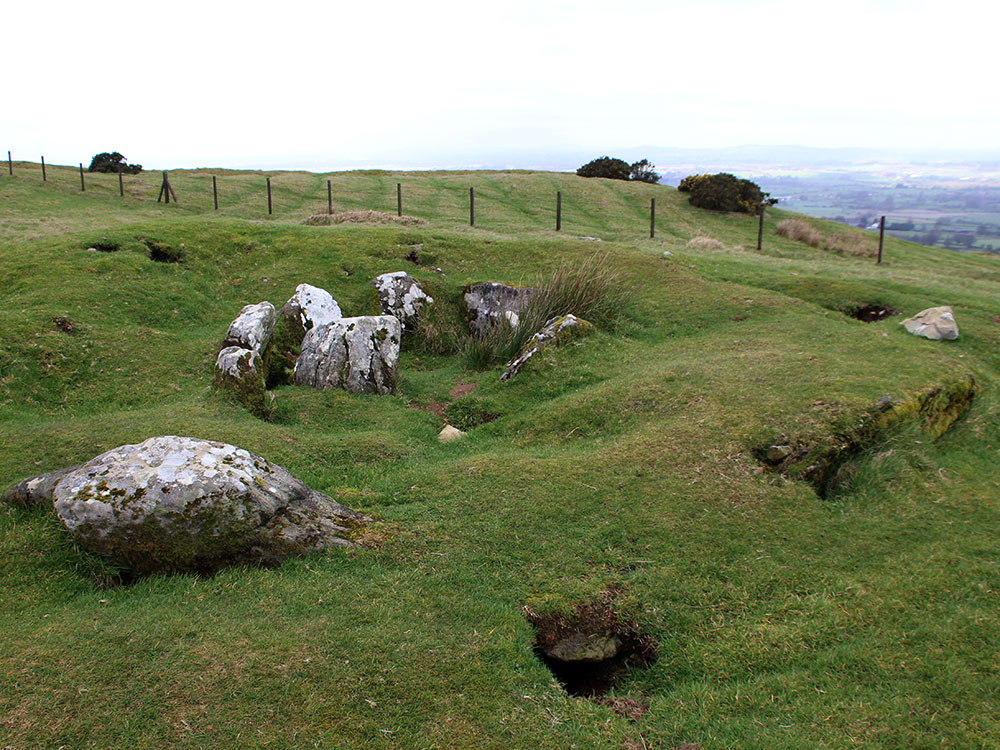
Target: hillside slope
<point>626,464</point>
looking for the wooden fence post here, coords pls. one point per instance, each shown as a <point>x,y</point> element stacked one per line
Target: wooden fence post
<point>329,197</point>
<point>43,169</point>
<point>121,184</point>
<point>268,196</point>
<point>399,199</point>
<point>652,217</point>
<point>760,227</point>
<point>10,164</point>
<point>472,207</point>
<point>82,186</point>
<point>215,193</point>
<point>558,210</point>
<point>881,239</point>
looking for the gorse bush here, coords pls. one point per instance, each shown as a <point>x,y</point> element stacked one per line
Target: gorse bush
<point>725,192</point>
<point>607,167</point>
<point>112,162</point>
<point>619,169</point>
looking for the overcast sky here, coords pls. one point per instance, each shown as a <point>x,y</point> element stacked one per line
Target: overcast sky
<point>443,82</point>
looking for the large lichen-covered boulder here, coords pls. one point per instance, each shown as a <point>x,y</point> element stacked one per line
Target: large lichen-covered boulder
<point>176,504</point>
<point>554,333</point>
<point>359,355</point>
<point>241,372</point>
<point>933,323</point>
<point>309,307</point>
<point>490,302</point>
<point>400,295</point>
<point>252,328</point>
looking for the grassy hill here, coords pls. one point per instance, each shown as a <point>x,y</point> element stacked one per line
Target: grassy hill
<point>625,467</point>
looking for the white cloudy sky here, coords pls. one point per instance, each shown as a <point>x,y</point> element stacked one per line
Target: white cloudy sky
<point>323,84</point>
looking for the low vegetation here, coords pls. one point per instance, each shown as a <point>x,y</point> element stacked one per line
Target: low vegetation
<point>618,169</point>
<point>801,230</point>
<point>112,162</point>
<point>725,192</point>
<point>625,471</point>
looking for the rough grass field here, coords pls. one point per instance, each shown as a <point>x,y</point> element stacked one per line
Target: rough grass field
<point>622,466</point>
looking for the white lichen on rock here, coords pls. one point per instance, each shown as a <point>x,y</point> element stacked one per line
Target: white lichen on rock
<point>184,504</point>
<point>241,371</point>
<point>489,302</point>
<point>309,307</point>
<point>400,295</point>
<point>554,332</point>
<point>252,328</point>
<point>359,355</point>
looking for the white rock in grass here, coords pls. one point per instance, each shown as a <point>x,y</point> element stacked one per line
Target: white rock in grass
<point>359,355</point>
<point>449,433</point>
<point>933,323</point>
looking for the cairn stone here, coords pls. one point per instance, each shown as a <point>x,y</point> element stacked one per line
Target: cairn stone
<point>933,323</point>
<point>489,302</point>
<point>554,333</point>
<point>359,355</point>
<point>400,295</point>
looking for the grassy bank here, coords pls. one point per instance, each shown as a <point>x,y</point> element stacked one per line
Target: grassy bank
<point>625,462</point>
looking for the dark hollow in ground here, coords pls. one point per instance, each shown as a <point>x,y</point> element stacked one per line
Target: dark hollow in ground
<point>590,622</point>
<point>869,313</point>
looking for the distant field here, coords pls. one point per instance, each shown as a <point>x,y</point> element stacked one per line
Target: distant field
<point>630,467</point>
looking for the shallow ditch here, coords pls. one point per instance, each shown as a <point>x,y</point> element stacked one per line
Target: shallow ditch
<point>826,461</point>
<point>869,313</point>
<point>589,649</point>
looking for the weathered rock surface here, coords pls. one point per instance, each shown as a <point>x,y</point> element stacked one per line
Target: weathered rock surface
<point>449,433</point>
<point>183,504</point>
<point>35,492</point>
<point>252,328</point>
<point>491,301</point>
<point>309,307</point>
<point>555,332</point>
<point>585,647</point>
<point>933,323</point>
<point>400,295</point>
<point>359,355</point>
<point>241,371</point>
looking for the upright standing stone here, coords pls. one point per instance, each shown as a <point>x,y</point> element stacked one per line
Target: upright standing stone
<point>400,295</point>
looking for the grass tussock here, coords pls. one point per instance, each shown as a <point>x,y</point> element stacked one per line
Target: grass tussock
<point>592,290</point>
<point>802,231</point>
<point>377,218</point>
<point>704,243</point>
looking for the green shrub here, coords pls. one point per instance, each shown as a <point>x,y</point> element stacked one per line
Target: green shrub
<point>113,162</point>
<point>643,171</point>
<point>607,167</point>
<point>725,192</point>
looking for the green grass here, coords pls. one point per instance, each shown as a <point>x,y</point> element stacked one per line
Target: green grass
<point>623,460</point>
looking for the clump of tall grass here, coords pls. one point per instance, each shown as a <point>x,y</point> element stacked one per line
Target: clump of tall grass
<point>592,290</point>
<point>704,243</point>
<point>803,231</point>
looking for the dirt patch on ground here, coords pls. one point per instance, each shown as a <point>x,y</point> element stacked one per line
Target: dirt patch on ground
<point>64,324</point>
<point>462,389</point>
<point>996,319</point>
<point>437,408</point>
<point>630,708</point>
<point>362,217</point>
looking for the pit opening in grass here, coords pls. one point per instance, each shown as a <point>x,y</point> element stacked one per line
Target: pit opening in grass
<point>869,313</point>
<point>589,649</point>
